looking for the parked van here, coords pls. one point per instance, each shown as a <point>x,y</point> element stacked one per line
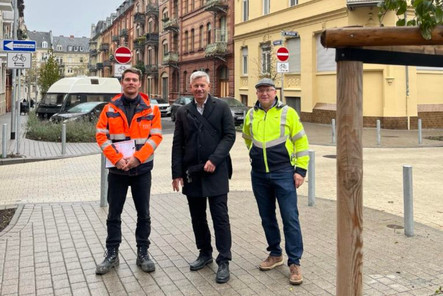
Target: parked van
<point>68,92</point>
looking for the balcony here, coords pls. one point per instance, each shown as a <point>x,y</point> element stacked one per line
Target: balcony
<point>170,24</point>
<point>104,47</point>
<point>93,52</point>
<point>171,58</point>
<point>115,38</point>
<point>139,18</point>
<point>151,69</point>
<point>99,66</point>
<point>151,39</point>
<point>152,9</point>
<point>124,33</point>
<point>351,4</point>
<point>139,42</point>
<point>216,49</point>
<point>220,6</point>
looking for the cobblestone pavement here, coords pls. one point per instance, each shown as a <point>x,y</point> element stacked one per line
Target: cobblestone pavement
<point>57,235</point>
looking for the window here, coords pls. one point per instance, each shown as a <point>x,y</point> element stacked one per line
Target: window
<point>266,58</point>
<point>223,31</point>
<point>185,4</point>
<point>70,48</point>
<point>193,5</point>
<point>266,7</point>
<point>165,15</point>
<point>245,8</point>
<point>149,56</point>
<point>44,44</point>
<point>200,38</point>
<point>165,48</point>
<point>192,39</point>
<point>81,60</point>
<point>293,2</point>
<point>80,48</point>
<point>325,57</point>
<point>186,42</point>
<point>208,33</point>
<point>244,53</point>
<point>293,46</point>
<point>59,47</point>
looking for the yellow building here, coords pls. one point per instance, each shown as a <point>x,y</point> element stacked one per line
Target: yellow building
<point>396,95</point>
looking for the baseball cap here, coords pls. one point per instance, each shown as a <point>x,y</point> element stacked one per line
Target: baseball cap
<point>265,82</point>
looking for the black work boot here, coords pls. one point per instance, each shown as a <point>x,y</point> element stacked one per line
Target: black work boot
<point>143,260</point>
<point>110,261</point>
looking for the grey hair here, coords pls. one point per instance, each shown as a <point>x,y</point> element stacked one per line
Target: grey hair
<point>199,74</point>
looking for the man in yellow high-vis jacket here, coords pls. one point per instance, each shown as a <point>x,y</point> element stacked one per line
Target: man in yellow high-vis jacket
<point>278,149</point>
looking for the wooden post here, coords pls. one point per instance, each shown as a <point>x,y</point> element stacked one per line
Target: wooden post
<point>349,178</point>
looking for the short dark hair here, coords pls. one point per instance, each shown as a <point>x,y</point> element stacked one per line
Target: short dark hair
<point>133,70</point>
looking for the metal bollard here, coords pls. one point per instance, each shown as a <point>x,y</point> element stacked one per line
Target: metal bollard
<point>103,182</point>
<point>333,131</point>
<point>408,201</point>
<point>4,152</point>
<point>378,132</point>
<point>311,178</point>
<point>64,139</point>
<point>420,139</point>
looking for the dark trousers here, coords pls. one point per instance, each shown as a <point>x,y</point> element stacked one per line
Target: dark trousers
<point>218,206</point>
<point>117,190</point>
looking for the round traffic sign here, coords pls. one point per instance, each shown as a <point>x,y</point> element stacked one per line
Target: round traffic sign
<point>123,55</point>
<point>282,54</point>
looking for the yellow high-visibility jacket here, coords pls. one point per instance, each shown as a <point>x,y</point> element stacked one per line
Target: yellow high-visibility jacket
<point>276,139</point>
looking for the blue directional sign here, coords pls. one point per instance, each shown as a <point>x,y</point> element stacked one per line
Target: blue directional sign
<point>18,45</point>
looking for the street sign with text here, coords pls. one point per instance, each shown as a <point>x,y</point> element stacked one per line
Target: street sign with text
<point>282,54</point>
<point>123,55</point>
<point>18,45</point>
<point>19,60</point>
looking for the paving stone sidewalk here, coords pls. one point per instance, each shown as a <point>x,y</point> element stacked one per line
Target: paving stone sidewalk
<point>52,249</point>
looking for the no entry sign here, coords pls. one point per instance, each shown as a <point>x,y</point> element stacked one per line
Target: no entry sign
<point>123,55</point>
<point>282,54</point>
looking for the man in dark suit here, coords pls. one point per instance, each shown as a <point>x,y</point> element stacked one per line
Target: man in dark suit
<point>204,134</point>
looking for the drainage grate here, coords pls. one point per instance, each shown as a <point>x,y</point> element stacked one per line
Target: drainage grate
<point>394,226</point>
<point>330,156</point>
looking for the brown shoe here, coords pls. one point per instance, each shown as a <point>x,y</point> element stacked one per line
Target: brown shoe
<point>295,277</point>
<point>271,262</point>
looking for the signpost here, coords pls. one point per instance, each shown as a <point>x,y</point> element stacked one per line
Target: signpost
<point>18,60</point>
<point>283,66</point>
<point>19,45</point>
<point>123,55</point>
<point>119,69</point>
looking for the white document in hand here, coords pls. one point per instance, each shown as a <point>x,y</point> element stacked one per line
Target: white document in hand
<point>127,148</point>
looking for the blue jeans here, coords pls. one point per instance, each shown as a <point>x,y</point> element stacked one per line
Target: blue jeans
<point>267,188</point>
<point>117,189</point>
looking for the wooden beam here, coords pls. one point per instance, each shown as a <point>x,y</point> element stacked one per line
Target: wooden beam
<point>349,178</point>
<point>378,36</point>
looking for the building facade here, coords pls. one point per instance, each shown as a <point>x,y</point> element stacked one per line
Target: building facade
<point>395,95</point>
<point>6,27</point>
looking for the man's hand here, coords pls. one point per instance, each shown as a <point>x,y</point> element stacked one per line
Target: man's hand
<point>120,164</point>
<point>177,184</point>
<point>131,162</point>
<point>298,180</point>
<point>209,167</point>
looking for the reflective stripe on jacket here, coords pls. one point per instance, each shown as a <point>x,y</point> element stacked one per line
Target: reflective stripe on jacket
<point>145,129</point>
<point>276,139</point>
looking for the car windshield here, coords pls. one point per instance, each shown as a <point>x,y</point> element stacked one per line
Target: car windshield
<point>53,99</point>
<point>161,101</point>
<point>154,101</point>
<point>185,100</point>
<point>232,102</point>
<point>83,107</point>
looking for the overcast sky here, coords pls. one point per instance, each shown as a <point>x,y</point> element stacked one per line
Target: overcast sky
<point>67,17</point>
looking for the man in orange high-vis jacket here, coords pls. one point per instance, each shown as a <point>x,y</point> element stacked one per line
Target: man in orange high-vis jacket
<point>129,116</point>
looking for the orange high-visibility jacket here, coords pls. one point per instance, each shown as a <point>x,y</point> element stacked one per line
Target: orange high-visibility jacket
<point>145,129</point>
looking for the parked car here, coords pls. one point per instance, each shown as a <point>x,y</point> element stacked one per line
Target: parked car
<point>238,109</point>
<point>177,104</point>
<point>89,111</point>
<point>163,105</point>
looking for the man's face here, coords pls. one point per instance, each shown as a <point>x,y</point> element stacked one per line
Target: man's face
<point>200,89</point>
<point>130,84</point>
<point>266,96</point>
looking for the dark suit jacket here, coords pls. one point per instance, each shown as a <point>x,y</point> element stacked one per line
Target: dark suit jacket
<point>194,144</point>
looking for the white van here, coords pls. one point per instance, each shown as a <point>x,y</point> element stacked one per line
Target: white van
<point>68,92</point>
